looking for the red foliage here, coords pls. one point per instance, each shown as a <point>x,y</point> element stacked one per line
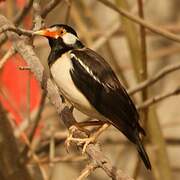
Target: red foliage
<point>13,88</point>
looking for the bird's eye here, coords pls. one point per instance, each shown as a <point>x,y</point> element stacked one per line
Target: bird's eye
<point>61,31</point>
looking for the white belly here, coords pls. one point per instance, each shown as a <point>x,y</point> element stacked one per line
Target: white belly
<point>61,75</point>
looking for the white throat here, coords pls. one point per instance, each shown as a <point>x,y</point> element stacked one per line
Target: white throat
<point>69,38</point>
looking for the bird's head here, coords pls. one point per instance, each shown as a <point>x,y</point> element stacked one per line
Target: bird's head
<point>60,35</point>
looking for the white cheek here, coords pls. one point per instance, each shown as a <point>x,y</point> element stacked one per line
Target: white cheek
<point>69,38</point>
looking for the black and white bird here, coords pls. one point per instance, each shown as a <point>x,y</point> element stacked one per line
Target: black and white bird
<point>88,82</point>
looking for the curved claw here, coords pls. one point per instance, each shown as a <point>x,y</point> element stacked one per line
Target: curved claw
<point>86,141</point>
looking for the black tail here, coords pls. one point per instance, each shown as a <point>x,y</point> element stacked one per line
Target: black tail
<point>143,154</point>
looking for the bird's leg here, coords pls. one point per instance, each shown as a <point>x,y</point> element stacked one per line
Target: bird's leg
<point>71,109</point>
<point>85,141</point>
<point>72,129</point>
<point>81,125</point>
<point>70,137</point>
<point>94,136</point>
<point>91,123</point>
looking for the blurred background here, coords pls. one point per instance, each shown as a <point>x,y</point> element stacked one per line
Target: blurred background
<point>134,54</point>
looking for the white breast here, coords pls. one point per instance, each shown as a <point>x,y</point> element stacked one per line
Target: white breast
<point>60,71</point>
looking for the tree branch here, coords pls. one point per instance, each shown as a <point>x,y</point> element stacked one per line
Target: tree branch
<point>51,5</point>
<point>10,165</point>
<point>158,98</point>
<point>140,21</point>
<point>87,171</point>
<point>161,74</point>
<point>19,17</point>
<point>19,31</point>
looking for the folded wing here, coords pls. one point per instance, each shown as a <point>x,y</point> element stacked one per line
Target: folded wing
<point>96,80</point>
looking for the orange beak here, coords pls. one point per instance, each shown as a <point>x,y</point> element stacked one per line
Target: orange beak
<point>47,33</point>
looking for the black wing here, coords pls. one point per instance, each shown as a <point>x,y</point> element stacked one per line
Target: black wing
<point>96,80</point>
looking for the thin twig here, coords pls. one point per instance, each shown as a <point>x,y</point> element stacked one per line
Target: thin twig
<point>143,52</point>
<point>8,54</point>
<point>158,98</point>
<point>35,157</point>
<point>48,8</point>
<point>19,31</point>
<point>59,139</point>
<point>38,115</point>
<point>103,39</point>
<point>143,76</point>
<point>24,125</point>
<point>161,74</point>
<point>37,19</point>
<point>67,158</point>
<point>105,164</point>
<point>18,19</point>
<point>20,16</point>
<point>10,165</point>
<point>142,22</point>
<point>132,37</point>
<point>87,171</point>
<point>35,122</point>
<point>68,11</point>
<point>117,66</point>
<point>81,25</point>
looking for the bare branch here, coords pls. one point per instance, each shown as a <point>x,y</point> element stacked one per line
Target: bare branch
<point>103,39</point>
<point>161,74</point>
<point>105,164</point>
<point>38,115</point>
<point>19,17</point>
<point>51,5</point>
<point>158,98</point>
<point>19,31</point>
<point>10,164</point>
<point>87,171</point>
<point>35,157</point>
<point>67,158</point>
<point>36,122</point>
<point>142,22</point>
<point>8,54</point>
<point>67,17</point>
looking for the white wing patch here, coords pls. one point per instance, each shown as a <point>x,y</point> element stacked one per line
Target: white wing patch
<point>90,72</point>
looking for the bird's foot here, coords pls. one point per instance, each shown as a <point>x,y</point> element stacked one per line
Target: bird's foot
<point>93,138</point>
<point>84,141</point>
<point>70,137</point>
